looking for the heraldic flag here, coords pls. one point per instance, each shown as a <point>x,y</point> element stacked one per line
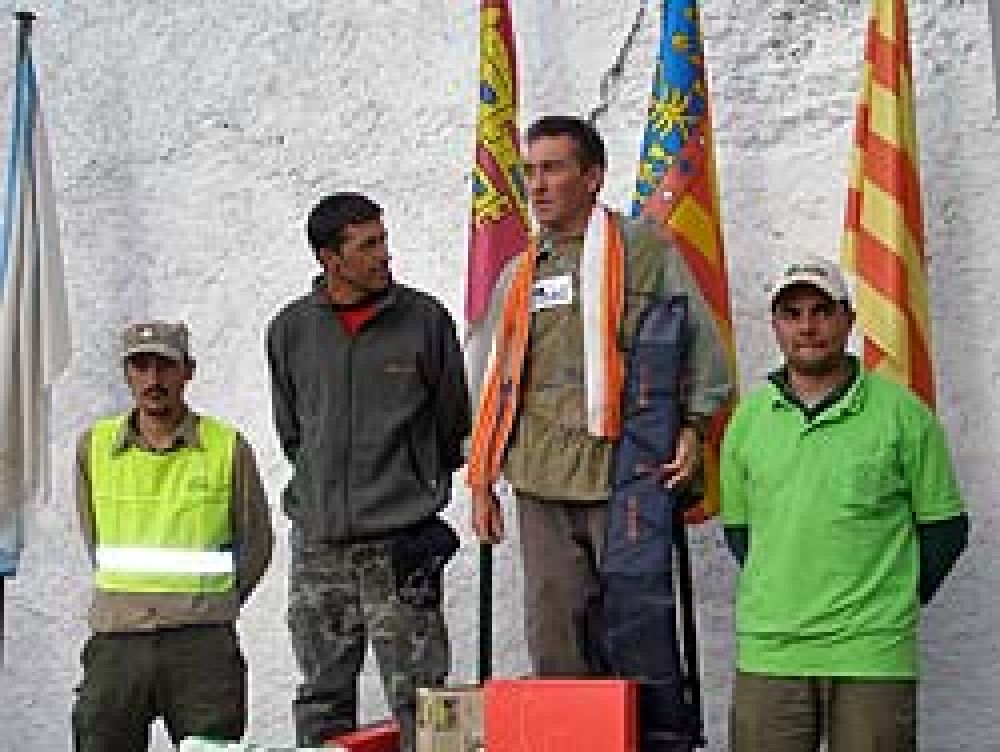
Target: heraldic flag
<point>884,236</point>
<point>34,322</point>
<point>677,187</point>
<point>498,229</point>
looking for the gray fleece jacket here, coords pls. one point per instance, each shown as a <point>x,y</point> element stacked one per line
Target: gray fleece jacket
<point>371,423</point>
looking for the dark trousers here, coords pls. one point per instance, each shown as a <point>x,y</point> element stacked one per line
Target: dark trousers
<point>340,597</point>
<point>560,549</point>
<point>778,714</point>
<point>193,677</point>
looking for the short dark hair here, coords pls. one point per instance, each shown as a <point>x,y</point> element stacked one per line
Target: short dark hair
<point>589,144</point>
<point>327,220</point>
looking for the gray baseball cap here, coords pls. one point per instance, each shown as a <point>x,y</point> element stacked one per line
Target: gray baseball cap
<point>157,337</point>
<point>814,271</point>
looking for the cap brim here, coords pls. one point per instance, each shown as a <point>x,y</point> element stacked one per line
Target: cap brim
<point>809,281</point>
<point>155,349</point>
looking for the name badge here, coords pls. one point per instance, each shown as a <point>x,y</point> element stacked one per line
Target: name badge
<point>551,292</point>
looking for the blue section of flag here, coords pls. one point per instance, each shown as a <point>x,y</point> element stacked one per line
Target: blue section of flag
<point>20,149</point>
<point>678,99</point>
<point>487,94</point>
<point>9,558</point>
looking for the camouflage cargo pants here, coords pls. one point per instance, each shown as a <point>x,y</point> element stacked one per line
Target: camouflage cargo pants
<point>340,597</point>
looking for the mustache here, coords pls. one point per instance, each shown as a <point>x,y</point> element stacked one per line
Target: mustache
<point>155,390</point>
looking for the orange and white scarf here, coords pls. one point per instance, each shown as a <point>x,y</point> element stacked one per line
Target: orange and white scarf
<point>602,297</point>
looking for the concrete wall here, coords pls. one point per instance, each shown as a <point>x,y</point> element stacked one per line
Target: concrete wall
<point>190,140</point>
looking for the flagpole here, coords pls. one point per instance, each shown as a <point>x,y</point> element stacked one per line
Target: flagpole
<point>24,18</point>
<point>485,663</point>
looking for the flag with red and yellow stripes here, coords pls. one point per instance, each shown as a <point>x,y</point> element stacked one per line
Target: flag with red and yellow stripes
<point>676,185</point>
<point>883,241</point>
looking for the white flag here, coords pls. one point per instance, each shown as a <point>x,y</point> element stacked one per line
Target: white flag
<point>34,321</point>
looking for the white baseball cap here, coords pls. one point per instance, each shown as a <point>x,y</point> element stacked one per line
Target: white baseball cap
<point>814,271</point>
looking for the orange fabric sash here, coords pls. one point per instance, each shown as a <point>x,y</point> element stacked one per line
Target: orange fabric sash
<point>604,258</point>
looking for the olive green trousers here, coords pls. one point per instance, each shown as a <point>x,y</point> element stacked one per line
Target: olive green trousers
<point>194,678</point>
<point>779,714</point>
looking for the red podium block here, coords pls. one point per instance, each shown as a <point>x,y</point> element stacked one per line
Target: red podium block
<point>561,715</point>
<point>380,737</point>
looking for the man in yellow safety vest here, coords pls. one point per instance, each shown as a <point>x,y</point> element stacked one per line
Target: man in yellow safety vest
<point>177,525</point>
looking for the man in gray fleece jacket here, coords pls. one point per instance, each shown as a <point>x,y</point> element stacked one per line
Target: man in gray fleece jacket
<point>371,407</point>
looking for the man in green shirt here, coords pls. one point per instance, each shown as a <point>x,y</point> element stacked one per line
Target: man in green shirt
<point>840,503</point>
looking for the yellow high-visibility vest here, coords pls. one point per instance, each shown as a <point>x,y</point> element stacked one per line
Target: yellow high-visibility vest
<point>162,519</point>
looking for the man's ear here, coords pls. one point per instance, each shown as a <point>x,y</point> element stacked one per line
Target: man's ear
<point>594,175</point>
<point>189,369</point>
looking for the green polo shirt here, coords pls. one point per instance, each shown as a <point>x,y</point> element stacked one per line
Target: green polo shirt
<point>829,587</point>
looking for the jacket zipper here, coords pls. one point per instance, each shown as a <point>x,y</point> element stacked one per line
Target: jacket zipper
<point>352,339</point>
<point>350,433</point>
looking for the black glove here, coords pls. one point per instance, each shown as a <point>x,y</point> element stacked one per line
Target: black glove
<point>419,554</point>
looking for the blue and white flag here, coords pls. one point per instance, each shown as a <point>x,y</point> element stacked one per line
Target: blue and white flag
<point>34,320</point>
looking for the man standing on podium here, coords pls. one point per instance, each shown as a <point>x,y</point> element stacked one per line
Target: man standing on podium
<point>551,407</point>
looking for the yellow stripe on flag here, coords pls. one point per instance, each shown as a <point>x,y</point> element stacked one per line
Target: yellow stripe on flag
<point>890,121</point>
<point>882,217</point>
<point>909,115</point>
<point>917,296</point>
<point>885,18</point>
<point>848,251</point>
<point>883,322</point>
<point>693,223</point>
<point>855,171</point>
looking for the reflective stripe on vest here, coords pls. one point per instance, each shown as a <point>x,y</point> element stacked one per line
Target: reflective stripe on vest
<point>123,559</point>
<point>162,519</point>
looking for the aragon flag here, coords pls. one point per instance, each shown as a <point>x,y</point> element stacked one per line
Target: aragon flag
<point>883,242</point>
<point>498,230</point>
<point>676,186</point>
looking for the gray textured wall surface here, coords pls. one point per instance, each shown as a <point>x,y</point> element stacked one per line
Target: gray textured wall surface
<point>190,140</point>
